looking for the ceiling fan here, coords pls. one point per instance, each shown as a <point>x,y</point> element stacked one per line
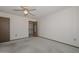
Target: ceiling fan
<point>27,10</point>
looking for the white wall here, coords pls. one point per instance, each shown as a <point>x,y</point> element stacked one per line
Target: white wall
<point>62,26</point>
<point>18,26</point>
<point>77,26</point>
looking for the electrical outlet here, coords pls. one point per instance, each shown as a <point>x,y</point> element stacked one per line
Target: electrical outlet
<point>75,39</point>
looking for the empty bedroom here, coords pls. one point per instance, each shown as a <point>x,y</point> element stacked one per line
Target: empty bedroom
<point>39,29</point>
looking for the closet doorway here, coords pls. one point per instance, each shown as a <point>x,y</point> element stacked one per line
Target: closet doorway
<point>4,29</point>
<point>33,29</point>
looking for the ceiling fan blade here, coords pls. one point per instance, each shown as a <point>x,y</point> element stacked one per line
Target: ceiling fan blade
<point>31,14</point>
<point>23,7</point>
<point>32,9</point>
<point>17,10</point>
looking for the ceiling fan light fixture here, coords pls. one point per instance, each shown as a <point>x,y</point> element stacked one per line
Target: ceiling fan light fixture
<point>25,12</point>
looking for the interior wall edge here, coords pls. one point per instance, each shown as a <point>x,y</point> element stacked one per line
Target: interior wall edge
<point>58,41</point>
